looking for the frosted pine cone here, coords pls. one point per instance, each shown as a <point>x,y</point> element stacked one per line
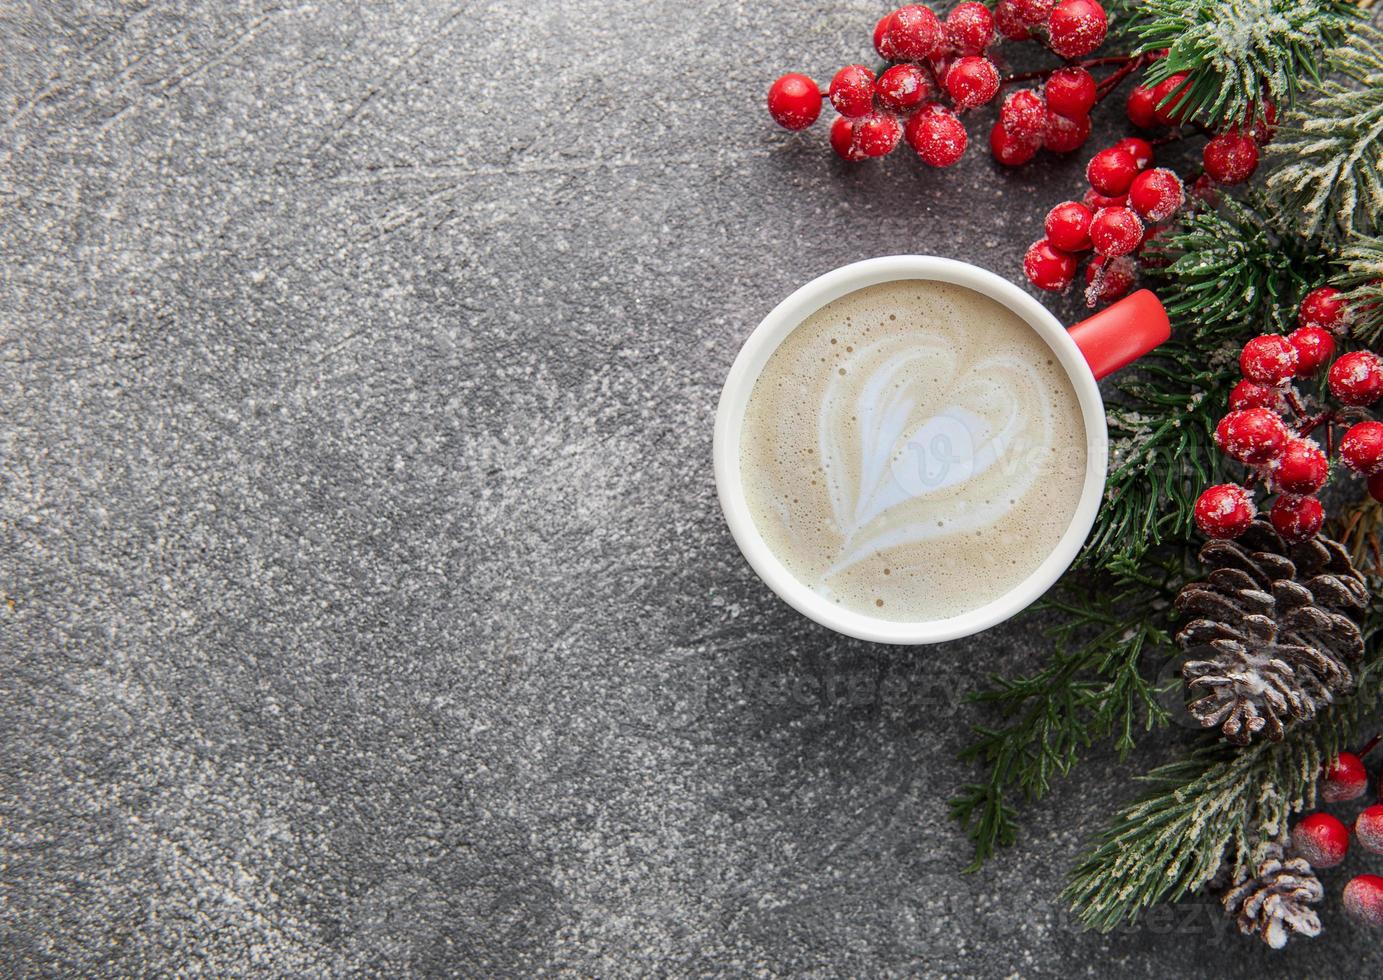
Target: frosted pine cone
<point>1275,627</point>
<point>1272,898</point>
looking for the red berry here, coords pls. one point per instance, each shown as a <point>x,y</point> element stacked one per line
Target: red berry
<point>1009,149</point>
<point>1076,27</point>
<point>1009,21</point>
<point>1111,171</point>
<point>1070,92</point>
<point>881,41</point>
<point>1321,839</point>
<point>1224,511</point>
<point>1362,448</point>
<point>1068,226</point>
<point>1264,127</point>
<point>843,140</point>
<point>1302,467</point>
<point>794,101</point>
<point>1064,135</point>
<point>1024,116</point>
<point>913,33</point>
<point>1048,267</point>
<point>1167,109</point>
<point>1345,779</point>
<point>1376,487</point>
<point>1231,157</point>
<point>1034,12</point>
<point>1141,149</point>
<point>1269,359</point>
<point>852,91</point>
<point>1116,231</point>
<point>902,87</point>
<point>1139,107</point>
<point>1118,276</point>
<point>972,81</point>
<point>1156,194</point>
<point>1297,518</point>
<point>1094,200</point>
<point>877,134</point>
<point>970,28</point>
<point>1247,394</point>
<point>1323,307</point>
<point>936,134</point>
<point>1368,826</point>
<point>1363,899</point>
<point>1314,346</point>
<point>1356,378</point>
<point>1252,435</point>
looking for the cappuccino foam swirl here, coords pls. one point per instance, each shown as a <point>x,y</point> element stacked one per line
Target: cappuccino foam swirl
<point>913,450</point>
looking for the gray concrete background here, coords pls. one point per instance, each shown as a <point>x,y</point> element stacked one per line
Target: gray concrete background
<point>366,603</point>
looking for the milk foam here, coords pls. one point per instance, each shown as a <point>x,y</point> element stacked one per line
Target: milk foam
<point>913,451</point>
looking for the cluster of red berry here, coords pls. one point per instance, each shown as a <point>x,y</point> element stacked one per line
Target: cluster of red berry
<point>1323,839</point>
<point>1127,198</point>
<point>932,61</point>
<point>1283,457</point>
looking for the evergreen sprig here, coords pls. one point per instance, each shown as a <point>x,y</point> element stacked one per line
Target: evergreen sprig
<point>1214,805</point>
<point>1361,264</point>
<point>1331,149</point>
<point>1237,51</point>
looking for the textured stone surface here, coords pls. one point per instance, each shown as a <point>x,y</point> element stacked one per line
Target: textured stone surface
<point>366,603</point>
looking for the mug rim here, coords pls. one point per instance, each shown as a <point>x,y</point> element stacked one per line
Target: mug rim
<point>749,365</point>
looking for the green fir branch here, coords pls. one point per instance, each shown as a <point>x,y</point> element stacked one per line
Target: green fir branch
<point>1361,262</point>
<point>1236,51</point>
<point>1331,150</point>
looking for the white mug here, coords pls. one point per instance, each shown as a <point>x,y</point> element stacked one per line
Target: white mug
<point>1091,349</point>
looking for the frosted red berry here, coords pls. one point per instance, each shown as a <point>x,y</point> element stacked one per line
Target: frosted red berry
<point>1111,171</point>
<point>1034,12</point>
<point>1068,226</point>
<point>970,28</point>
<point>936,134</point>
<point>1356,378</point>
<point>1362,448</point>
<point>1314,346</point>
<point>1344,778</point>
<point>1139,107</point>
<point>1252,435</point>
<point>913,33</point>
<point>877,134</point>
<point>1156,194</point>
<point>1264,126</point>
<point>972,81</point>
<point>1224,511</point>
<point>843,140</point>
<point>1141,149</point>
<point>1009,21</point>
<point>1363,899</point>
<point>1324,307</point>
<point>881,41</point>
<point>1231,157</point>
<point>1076,27</point>
<point>1048,267</point>
<point>1249,394</point>
<point>1297,518</point>
<point>1167,108</point>
<point>1320,838</point>
<point>1094,200</point>
<point>1116,231</point>
<point>1302,467</point>
<point>1064,135</point>
<point>1070,92</point>
<point>794,101</point>
<point>1009,149</point>
<point>1024,115</point>
<point>1269,359</point>
<point>1368,826</point>
<point>902,88</point>
<point>852,91</point>
<point>1114,278</point>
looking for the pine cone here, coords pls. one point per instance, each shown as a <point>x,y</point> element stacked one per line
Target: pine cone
<point>1272,899</point>
<point>1276,625</point>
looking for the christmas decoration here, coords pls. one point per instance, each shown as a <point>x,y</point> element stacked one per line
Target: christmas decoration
<point>1344,779</point>
<point>1321,839</point>
<point>1368,829</point>
<point>1274,898</point>
<point>1363,899</point>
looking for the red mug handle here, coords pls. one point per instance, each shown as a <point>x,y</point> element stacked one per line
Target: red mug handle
<point>1122,332</point>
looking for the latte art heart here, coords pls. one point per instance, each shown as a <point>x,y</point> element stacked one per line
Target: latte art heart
<point>913,450</point>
